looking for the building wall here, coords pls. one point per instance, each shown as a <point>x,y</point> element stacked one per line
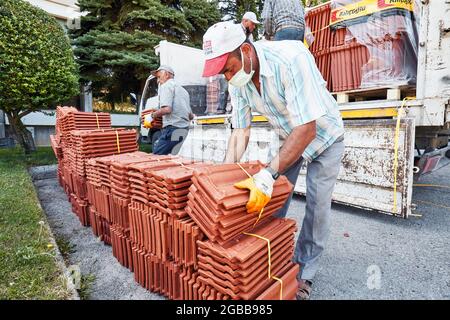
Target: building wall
<point>60,9</point>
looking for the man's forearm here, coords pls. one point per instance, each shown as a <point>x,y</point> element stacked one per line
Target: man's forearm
<point>162,111</point>
<point>294,146</point>
<point>237,145</point>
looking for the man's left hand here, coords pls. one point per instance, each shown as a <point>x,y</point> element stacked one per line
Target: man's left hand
<point>261,188</point>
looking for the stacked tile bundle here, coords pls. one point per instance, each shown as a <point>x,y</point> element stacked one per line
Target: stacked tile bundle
<point>167,218</point>
<point>79,137</point>
<point>348,61</point>
<point>318,20</point>
<point>241,268</point>
<point>87,144</point>
<point>169,188</point>
<point>119,201</point>
<point>108,210</point>
<point>234,262</point>
<point>363,53</point>
<point>69,118</point>
<point>392,47</point>
<point>164,238</point>
<point>68,121</point>
<point>161,244</point>
<point>219,208</point>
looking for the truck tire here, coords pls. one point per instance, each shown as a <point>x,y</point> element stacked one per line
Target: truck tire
<point>447,153</point>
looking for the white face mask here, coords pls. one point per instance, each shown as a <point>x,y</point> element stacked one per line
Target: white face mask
<point>241,78</point>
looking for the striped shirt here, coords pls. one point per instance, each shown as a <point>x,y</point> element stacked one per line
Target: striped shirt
<point>279,14</point>
<point>293,93</point>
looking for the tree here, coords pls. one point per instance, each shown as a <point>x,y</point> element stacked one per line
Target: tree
<point>235,9</point>
<point>37,67</point>
<point>115,44</point>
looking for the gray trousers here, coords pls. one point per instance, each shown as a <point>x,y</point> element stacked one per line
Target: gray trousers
<point>321,175</point>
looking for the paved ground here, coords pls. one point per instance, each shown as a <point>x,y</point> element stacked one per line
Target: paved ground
<point>413,256</point>
<point>410,258</point>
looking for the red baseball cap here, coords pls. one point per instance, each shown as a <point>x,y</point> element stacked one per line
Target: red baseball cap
<point>215,65</point>
<point>218,41</point>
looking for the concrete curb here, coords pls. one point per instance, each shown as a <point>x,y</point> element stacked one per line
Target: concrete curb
<point>42,173</point>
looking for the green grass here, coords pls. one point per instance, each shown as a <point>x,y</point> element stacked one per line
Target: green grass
<point>65,247</point>
<point>43,156</point>
<point>87,280</point>
<point>145,147</point>
<point>28,268</point>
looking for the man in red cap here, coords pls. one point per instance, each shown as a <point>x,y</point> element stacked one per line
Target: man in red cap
<point>280,80</point>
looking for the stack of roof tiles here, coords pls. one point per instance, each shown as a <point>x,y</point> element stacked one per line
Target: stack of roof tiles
<point>69,118</point>
<point>81,136</point>
<point>170,219</point>
<point>87,144</point>
<point>241,268</point>
<point>101,181</point>
<point>371,53</point>
<point>169,188</point>
<point>119,200</point>
<point>164,239</point>
<point>318,19</point>
<point>219,208</point>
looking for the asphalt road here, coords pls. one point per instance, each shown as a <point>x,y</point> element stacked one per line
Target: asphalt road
<point>369,255</point>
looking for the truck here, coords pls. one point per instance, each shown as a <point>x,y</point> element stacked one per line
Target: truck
<point>391,142</point>
<point>187,64</point>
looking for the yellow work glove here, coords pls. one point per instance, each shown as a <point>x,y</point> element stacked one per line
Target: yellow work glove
<point>148,121</point>
<point>261,188</point>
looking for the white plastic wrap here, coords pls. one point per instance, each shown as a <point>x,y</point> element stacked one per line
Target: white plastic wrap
<point>388,31</point>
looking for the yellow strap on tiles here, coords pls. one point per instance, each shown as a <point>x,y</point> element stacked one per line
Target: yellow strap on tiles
<point>269,255</point>
<point>118,141</point>
<point>246,172</point>
<point>98,124</point>
<point>312,33</point>
<point>269,258</point>
<point>259,217</point>
<point>306,43</point>
<point>179,163</point>
<point>396,142</point>
<point>281,286</point>
<point>262,210</point>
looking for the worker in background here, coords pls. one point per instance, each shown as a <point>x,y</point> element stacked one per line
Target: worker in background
<point>248,23</point>
<point>175,109</point>
<point>283,20</point>
<point>280,80</point>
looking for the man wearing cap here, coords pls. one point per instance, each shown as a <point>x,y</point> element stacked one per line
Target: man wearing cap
<point>249,22</point>
<point>280,80</point>
<point>283,20</point>
<point>175,109</point>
